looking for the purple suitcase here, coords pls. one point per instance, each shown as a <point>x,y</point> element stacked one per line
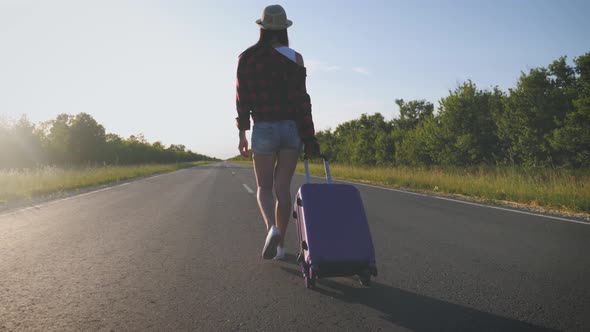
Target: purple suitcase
<point>333,232</point>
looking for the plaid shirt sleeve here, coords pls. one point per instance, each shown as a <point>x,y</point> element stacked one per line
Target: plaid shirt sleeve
<point>303,103</point>
<point>242,103</point>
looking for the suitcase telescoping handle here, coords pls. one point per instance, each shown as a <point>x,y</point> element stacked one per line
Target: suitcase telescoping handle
<point>326,167</point>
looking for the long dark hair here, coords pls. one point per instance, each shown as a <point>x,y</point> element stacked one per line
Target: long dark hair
<point>267,37</point>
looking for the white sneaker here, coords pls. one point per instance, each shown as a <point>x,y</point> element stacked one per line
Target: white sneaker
<point>272,241</point>
<point>280,253</point>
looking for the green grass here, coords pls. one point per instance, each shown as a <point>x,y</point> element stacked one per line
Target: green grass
<point>558,189</point>
<point>29,183</point>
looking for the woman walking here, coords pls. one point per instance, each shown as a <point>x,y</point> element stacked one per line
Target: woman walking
<point>271,89</point>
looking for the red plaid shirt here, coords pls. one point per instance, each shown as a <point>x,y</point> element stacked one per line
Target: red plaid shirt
<point>271,87</point>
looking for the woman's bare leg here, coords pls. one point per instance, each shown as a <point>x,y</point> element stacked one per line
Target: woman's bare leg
<point>264,166</point>
<point>286,163</point>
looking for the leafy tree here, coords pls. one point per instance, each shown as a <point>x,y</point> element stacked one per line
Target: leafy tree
<point>384,148</point>
<point>536,108</point>
<point>78,140</point>
<point>355,141</point>
<point>177,147</point>
<point>412,113</point>
<point>467,125</point>
<point>422,146</point>
<point>328,143</point>
<point>544,120</point>
<point>59,139</point>
<point>27,143</point>
<point>573,138</point>
<point>87,139</point>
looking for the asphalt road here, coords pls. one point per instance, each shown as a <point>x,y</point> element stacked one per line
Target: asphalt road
<point>181,251</point>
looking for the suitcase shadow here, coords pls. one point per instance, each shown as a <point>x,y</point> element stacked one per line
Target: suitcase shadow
<point>415,311</point>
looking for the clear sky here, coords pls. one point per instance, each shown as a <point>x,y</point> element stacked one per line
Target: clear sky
<point>167,68</point>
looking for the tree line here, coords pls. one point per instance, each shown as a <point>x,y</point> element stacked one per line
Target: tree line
<point>543,121</point>
<point>70,140</point>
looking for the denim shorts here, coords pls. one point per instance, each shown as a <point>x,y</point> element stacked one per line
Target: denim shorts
<point>270,137</point>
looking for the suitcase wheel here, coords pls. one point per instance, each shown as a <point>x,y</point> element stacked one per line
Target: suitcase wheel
<point>365,278</point>
<point>310,278</point>
<point>309,282</point>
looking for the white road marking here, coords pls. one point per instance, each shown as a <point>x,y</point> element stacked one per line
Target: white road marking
<point>455,200</point>
<point>37,207</point>
<point>248,188</point>
<point>459,201</point>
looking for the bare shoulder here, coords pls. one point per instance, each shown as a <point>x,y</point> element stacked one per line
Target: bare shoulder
<point>299,59</point>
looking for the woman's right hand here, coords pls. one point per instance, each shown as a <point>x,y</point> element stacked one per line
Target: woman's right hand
<point>243,146</point>
<point>311,148</point>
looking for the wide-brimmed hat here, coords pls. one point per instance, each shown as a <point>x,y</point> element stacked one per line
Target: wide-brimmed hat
<point>274,18</point>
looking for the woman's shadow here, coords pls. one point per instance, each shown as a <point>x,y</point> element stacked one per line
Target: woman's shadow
<point>414,311</point>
